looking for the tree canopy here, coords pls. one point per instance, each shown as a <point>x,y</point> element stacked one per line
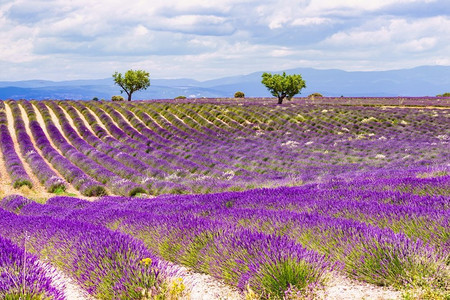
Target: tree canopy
<point>283,86</point>
<point>132,81</point>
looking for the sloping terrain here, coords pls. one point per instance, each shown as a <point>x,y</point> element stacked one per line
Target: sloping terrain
<point>328,199</point>
<point>419,82</point>
<point>154,148</point>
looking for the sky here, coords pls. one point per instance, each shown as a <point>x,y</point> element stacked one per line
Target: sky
<point>205,39</point>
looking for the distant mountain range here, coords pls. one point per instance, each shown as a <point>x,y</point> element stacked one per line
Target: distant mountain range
<point>419,81</point>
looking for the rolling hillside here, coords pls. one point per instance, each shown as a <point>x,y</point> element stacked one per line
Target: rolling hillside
<point>237,199</point>
<point>418,82</point>
<point>207,146</point>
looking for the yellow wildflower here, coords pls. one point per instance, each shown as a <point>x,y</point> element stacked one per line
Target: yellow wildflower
<point>146,261</point>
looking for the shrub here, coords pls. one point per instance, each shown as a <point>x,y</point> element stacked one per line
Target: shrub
<point>315,96</point>
<point>95,99</point>
<point>239,94</point>
<point>117,98</point>
<point>443,95</point>
<point>180,97</point>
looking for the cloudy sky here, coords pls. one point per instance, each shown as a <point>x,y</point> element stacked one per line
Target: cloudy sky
<point>205,39</point>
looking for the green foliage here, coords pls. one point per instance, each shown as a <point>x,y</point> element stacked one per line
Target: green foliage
<point>59,189</point>
<point>315,96</point>
<point>22,182</point>
<point>289,275</point>
<point>117,98</point>
<point>180,97</point>
<point>239,94</point>
<point>283,86</point>
<point>22,296</point>
<point>443,95</point>
<point>95,99</point>
<point>132,81</point>
<point>95,191</point>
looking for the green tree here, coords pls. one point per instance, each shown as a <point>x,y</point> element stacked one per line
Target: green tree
<point>132,81</point>
<point>283,86</point>
<point>239,94</point>
<point>443,95</point>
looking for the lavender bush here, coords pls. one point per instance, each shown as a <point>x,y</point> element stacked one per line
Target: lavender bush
<point>23,276</point>
<point>106,264</point>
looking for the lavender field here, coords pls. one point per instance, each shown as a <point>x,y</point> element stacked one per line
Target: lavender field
<point>273,200</point>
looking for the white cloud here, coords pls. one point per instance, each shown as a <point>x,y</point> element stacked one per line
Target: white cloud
<point>422,34</point>
<point>207,39</point>
<point>309,21</point>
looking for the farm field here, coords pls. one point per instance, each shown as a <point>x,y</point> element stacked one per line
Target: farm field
<point>274,201</point>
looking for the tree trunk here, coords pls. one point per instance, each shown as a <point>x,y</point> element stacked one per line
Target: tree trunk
<point>280,99</point>
<point>129,97</point>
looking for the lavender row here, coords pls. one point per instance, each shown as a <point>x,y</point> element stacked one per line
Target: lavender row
<point>38,165</point>
<point>129,130</point>
<point>163,154</point>
<point>182,122</point>
<point>124,142</point>
<point>198,155</point>
<point>149,128</point>
<point>14,165</point>
<point>202,158</point>
<point>116,184</point>
<point>366,252</point>
<point>105,263</point>
<point>151,124</point>
<point>269,264</point>
<point>420,217</point>
<point>122,135</point>
<point>102,159</point>
<point>123,157</point>
<point>342,238</point>
<point>125,147</point>
<point>164,161</point>
<point>117,132</point>
<point>183,136</point>
<point>71,173</point>
<point>23,276</point>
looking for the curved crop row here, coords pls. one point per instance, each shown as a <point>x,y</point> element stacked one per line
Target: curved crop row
<point>381,237</point>
<point>105,263</point>
<point>23,276</point>
<point>117,184</point>
<point>38,165</point>
<point>71,173</point>
<point>14,166</point>
<point>112,152</point>
<point>117,168</point>
<point>239,257</point>
<point>207,147</point>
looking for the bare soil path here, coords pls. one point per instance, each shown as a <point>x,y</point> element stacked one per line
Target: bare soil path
<point>69,188</point>
<point>41,121</point>
<point>99,122</point>
<point>85,123</point>
<point>5,181</point>
<point>71,291</point>
<point>204,287</point>
<point>38,191</point>
<point>339,287</point>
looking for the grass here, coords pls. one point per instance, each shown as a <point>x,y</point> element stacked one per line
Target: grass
<point>61,191</point>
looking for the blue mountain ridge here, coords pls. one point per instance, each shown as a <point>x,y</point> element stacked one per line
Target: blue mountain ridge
<point>419,81</point>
